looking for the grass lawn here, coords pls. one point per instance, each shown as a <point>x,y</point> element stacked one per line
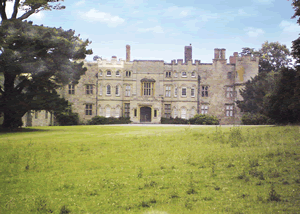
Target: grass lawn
<point>150,169</point>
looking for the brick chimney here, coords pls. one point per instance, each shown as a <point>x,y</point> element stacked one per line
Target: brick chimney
<point>127,53</point>
<point>188,53</point>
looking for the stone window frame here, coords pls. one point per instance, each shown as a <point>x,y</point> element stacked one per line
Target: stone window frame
<point>183,110</point>
<point>147,88</point>
<point>71,89</point>
<point>108,73</point>
<point>193,92</point>
<point>36,114</point>
<point>193,74</point>
<point>107,110</point>
<point>204,108</point>
<point>168,91</point>
<point>155,113</point>
<point>168,74</point>
<point>117,111</point>
<point>118,73</point>
<point>134,112</point>
<point>193,112</point>
<point>128,74</point>
<point>175,91</point>
<point>88,109</point>
<point>89,88</point>
<point>127,110</point>
<point>229,92</point>
<point>204,90</point>
<point>182,90</point>
<point>175,74</point>
<point>183,74</point>
<point>108,90</point>
<point>229,110</point>
<point>167,110</point>
<point>100,89</point>
<point>175,112</point>
<point>119,90</point>
<point>127,90</point>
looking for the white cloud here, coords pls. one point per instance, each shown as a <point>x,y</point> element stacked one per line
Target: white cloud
<point>156,29</point>
<point>94,15</point>
<point>178,12</point>
<point>82,2</point>
<point>254,32</point>
<point>264,1</point>
<point>289,27</point>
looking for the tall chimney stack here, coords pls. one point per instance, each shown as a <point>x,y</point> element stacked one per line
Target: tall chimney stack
<point>188,53</point>
<point>127,53</point>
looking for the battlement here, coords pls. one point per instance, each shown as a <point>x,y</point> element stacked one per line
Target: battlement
<point>113,62</point>
<point>247,58</point>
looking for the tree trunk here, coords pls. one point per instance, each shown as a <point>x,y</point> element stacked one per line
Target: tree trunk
<point>12,121</point>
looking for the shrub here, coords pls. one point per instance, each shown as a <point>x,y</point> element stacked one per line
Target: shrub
<point>256,119</point>
<point>100,120</point>
<point>67,118</point>
<point>203,119</point>
<point>173,120</point>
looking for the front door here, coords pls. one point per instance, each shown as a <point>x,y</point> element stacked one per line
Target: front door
<point>145,115</point>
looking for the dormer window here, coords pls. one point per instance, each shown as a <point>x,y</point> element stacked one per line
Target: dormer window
<point>108,73</point>
<point>183,74</point>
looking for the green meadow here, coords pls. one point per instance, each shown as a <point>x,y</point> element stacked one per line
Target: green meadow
<point>151,169</point>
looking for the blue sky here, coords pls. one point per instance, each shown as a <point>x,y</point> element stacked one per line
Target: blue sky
<point>160,29</point>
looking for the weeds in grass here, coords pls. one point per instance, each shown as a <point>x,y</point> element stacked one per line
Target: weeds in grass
<point>191,189</point>
<point>105,177</point>
<point>140,172</point>
<point>64,210</point>
<point>235,137</point>
<point>273,195</point>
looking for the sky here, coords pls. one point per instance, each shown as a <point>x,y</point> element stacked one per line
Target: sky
<point>159,29</point>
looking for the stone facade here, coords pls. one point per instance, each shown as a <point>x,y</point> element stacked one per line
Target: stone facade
<point>146,90</point>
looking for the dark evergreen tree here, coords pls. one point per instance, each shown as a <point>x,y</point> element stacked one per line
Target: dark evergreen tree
<point>35,61</point>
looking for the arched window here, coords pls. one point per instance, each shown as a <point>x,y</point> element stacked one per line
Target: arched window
<point>108,91</point>
<point>108,73</point>
<point>192,112</point>
<point>183,113</point>
<point>184,74</point>
<point>117,90</point>
<point>107,111</point>
<point>117,114</point>
<point>193,74</point>
<point>117,73</point>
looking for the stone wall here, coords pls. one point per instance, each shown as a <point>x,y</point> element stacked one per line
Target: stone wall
<point>124,79</point>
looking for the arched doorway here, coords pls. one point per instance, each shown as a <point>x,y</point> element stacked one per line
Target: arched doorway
<point>145,114</point>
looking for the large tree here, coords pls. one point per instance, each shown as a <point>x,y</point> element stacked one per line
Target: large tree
<point>35,61</point>
<point>284,103</point>
<point>272,58</point>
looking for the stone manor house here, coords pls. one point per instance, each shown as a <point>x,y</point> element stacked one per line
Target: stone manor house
<point>146,90</point>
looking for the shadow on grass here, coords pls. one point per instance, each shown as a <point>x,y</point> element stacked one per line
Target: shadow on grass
<point>17,130</point>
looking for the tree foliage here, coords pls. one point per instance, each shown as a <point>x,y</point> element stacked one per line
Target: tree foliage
<point>28,7</point>
<point>256,93</point>
<point>272,58</point>
<point>35,61</point>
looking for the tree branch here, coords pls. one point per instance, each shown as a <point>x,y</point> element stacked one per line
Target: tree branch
<point>2,9</point>
<point>16,6</point>
<point>30,12</point>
